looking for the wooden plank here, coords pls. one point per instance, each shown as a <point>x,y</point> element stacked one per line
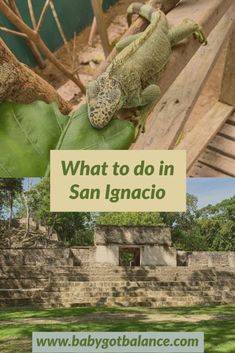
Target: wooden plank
<point>201,170</point>
<point>207,14</point>
<point>171,113</point>
<point>223,145</point>
<point>219,162</point>
<point>203,132</point>
<point>231,119</point>
<point>228,82</point>
<point>228,131</point>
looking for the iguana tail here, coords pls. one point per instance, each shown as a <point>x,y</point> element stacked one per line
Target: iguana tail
<point>142,10</point>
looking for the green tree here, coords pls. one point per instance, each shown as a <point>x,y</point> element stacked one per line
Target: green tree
<point>185,229</point>
<point>218,225</point>
<point>9,189</point>
<point>73,228</point>
<point>130,219</point>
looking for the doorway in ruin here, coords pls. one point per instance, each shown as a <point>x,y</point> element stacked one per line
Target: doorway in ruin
<point>129,256</point>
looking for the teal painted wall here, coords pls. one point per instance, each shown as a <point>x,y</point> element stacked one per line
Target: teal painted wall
<point>74,15</point>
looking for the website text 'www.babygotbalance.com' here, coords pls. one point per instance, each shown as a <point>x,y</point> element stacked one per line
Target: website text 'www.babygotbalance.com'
<point>118,342</point>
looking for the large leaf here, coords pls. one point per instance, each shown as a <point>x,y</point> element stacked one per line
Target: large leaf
<point>29,132</point>
<point>81,135</point>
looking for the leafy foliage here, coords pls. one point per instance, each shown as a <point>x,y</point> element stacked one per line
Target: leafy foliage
<point>209,229</point>
<point>117,135</point>
<point>9,189</point>
<point>73,228</point>
<point>29,132</point>
<point>130,219</point>
<point>218,225</point>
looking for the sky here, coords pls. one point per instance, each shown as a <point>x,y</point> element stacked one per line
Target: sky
<point>30,182</point>
<point>211,190</point>
<point>207,190</point>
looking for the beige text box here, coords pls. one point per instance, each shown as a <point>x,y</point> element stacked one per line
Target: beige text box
<point>157,191</point>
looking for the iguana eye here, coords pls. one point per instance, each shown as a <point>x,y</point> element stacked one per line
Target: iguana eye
<point>115,94</point>
<point>93,88</point>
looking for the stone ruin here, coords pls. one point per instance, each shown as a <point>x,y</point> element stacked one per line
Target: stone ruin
<point>155,274</point>
<point>151,246</point>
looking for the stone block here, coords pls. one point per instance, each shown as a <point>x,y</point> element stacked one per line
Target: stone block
<point>126,235</point>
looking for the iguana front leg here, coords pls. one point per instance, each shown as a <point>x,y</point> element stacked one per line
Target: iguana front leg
<point>147,99</point>
<point>184,30</point>
<point>148,95</point>
<point>123,43</point>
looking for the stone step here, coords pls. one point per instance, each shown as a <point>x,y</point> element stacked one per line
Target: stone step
<point>135,285</point>
<point>175,274</point>
<point>46,295</point>
<point>74,273</point>
<point>107,283</point>
<point>110,302</point>
<point>23,283</point>
<point>140,300</point>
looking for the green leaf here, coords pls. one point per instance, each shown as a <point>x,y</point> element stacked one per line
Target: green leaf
<point>81,135</point>
<point>29,132</point>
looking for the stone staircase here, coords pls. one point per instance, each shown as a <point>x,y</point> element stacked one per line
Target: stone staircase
<point>67,286</point>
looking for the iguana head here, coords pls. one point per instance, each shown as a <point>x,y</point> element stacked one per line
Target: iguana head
<point>104,100</point>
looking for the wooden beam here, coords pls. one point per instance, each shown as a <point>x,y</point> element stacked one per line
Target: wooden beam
<point>205,130</point>
<point>219,162</point>
<point>223,145</point>
<point>228,131</point>
<point>231,119</point>
<point>173,110</point>
<point>201,170</point>
<point>98,12</point>
<point>207,14</point>
<point>228,82</point>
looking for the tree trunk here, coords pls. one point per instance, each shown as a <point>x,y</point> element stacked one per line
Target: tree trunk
<point>24,199</point>
<point>11,210</point>
<point>21,85</point>
<point>28,219</point>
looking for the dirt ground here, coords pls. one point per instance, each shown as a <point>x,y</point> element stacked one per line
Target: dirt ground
<point>87,60</point>
<point>143,316</point>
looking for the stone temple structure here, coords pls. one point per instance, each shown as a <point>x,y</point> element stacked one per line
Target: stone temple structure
<point>150,246</point>
<point>127,266</point>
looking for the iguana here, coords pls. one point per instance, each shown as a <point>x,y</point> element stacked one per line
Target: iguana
<point>130,79</point>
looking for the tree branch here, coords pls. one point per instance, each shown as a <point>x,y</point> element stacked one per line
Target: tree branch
<point>31,13</point>
<point>35,37</point>
<point>30,44</point>
<point>7,30</point>
<point>60,29</point>
<point>42,16</point>
<point>21,85</point>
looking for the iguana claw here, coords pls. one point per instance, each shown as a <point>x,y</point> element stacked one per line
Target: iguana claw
<point>140,127</point>
<point>200,36</point>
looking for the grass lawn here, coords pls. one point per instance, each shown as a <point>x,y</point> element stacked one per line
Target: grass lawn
<point>218,324</point>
